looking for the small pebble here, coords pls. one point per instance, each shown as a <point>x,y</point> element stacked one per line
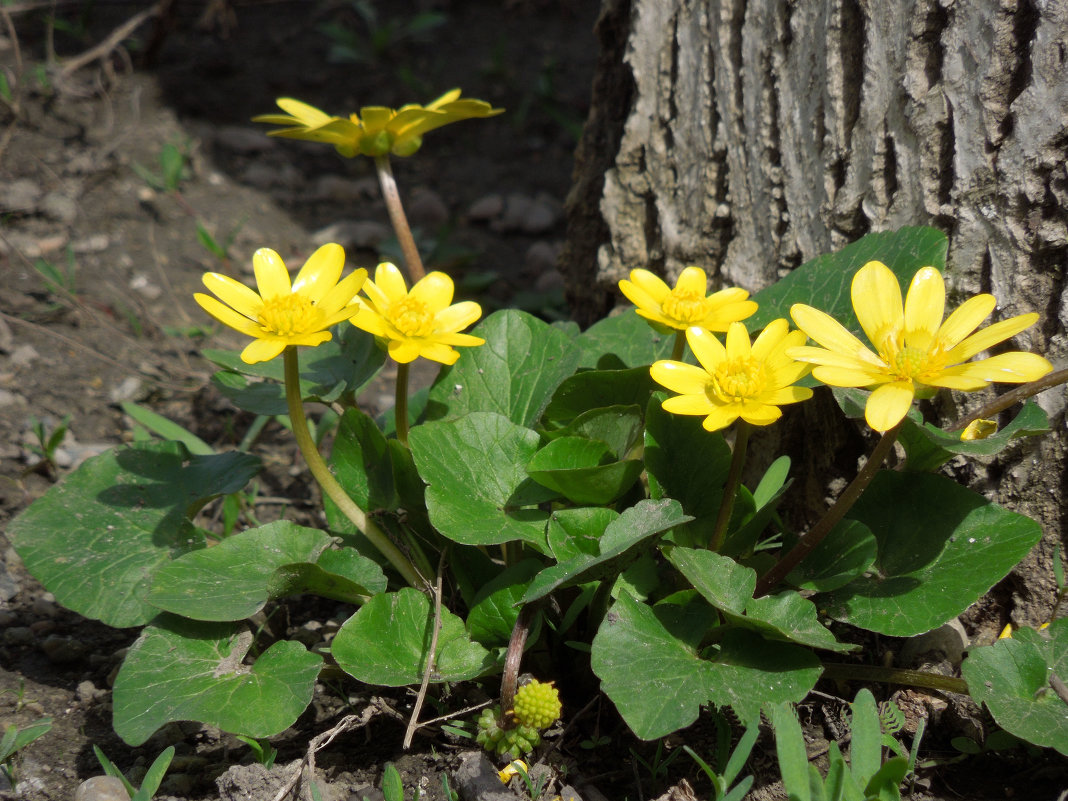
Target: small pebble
<point>61,649</point>
<point>486,208</point>
<point>21,196</point>
<point>101,788</point>
<point>60,206</point>
<point>344,190</point>
<point>24,355</point>
<point>244,140</point>
<point>7,617</point>
<point>18,635</point>
<point>130,388</point>
<point>42,607</point>
<point>427,210</point>
<point>353,234</point>
<point>86,691</point>
<point>94,243</point>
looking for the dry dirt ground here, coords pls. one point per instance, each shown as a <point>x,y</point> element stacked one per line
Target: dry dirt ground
<point>97,269</point>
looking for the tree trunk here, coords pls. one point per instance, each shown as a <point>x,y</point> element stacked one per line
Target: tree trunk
<point>748,136</point>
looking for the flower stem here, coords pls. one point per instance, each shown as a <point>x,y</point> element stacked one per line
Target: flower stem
<point>398,219</point>
<point>512,659</point>
<point>915,678</point>
<point>400,406</point>
<point>1012,397</point>
<point>329,485</point>
<point>730,490</point>
<point>679,347</point>
<point>823,526</point>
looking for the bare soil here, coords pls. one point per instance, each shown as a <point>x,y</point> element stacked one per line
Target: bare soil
<point>121,325</point>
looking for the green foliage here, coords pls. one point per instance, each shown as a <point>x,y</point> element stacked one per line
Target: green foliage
<point>47,441</point>
<point>172,167</point>
<point>153,776</point>
<point>15,738</point>
<point>866,775</point>
<point>727,764</point>
<point>560,499</point>
<point>373,37</point>
<point>262,750</point>
<point>60,281</point>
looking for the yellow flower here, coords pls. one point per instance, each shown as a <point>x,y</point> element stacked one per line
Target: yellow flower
<point>739,380</point>
<point>979,429</point>
<point>376,130</point>
<point>686,304</point>
<point>915,351</point>
<point>283,313</point>
<point>416,323</point>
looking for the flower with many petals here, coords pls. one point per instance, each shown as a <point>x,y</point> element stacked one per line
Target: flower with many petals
<point>283,313</point>
<point>915,351</point>
<point>376,130</point>
<point>739,380</point>
<point>687,304</point>
<point>417,323</point>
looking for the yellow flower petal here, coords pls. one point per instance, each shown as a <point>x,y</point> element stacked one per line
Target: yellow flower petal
<point>965,319</point>
<point>888,404</point>
<point>227,316</point>
<point>638,296</point>
<point>1014,367</point>
<point>760,415</point>
<point>262,350</point>
<point>876,296</point>
<point>233,293</point>
<point>771,337</point>
<point>272,278</point>
<point>650,283</point>
<point>825,330</point>
<point>692,280</point>
<point>784,395</point>
<point>738,346</point>
<point>320,272</point>
<point>403,351</point>
<point>435,290</point>
<point>342,298</point>
<point>302,112</point>
<point>845,377</point>
<point>991,335</point>
<point>705,347</point>
<point>721,417</point>
<point>925,305</point>
<point>686,379</point>
<point>688,404</point>
<point>452,339</point>
<point>457,317</point>
<point>439,352</point>
<point>720,318</point>
<point>390,281</point>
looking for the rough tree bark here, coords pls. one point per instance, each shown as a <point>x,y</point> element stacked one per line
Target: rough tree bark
<point>747,136</point>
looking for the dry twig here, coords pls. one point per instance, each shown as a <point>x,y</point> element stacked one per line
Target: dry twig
<point>320,741</point>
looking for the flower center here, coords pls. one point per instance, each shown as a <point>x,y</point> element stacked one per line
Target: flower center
<point>412,318</point>
<point>287,315</point>
<point>738,380</point>
<point>909,362</point>
<point>686,307</point>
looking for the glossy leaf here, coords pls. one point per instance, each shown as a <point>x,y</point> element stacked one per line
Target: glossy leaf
<point>597,389</point>
<point>649,664</point>
<point>187,670</point>
<point>583,470</point>
<point>478,491</point>
<point>1014,678</point>
<point>237,577</point>
<point>96,539</point>
<point>940,547</point>
<point>621,341</point>
<point>514,374</point>
<point>846,553</point>
<point>387,642</point>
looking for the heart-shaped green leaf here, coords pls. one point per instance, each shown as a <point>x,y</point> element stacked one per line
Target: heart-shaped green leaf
<point>621,544</point>
<point>478,491</point>
<point>95,539</point>
<point>597,389</point>
<point>514,374</point>
<point>842,556</point>
<point>362,464</point>
<point>624,340</point>
<point>649,664</point>
<point>237,577</point>
<point>728,586</point>
<point>388,640</point>
<point>618,427</point>
<point>824,282</point>
<point>1014,678</point>
<point>582,470</point>
<point>187,670</point>
<point>941,546</point>
<point>493,615</point>
<point>572,532</point>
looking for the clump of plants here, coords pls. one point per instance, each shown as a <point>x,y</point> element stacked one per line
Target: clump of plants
<point>554,481</point>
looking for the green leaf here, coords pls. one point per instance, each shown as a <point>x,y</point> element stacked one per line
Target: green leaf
<point>572,532</point>
<point>648,661</point>
<point>237,577</point>
<point>341,366</point>
<point>624,340</point>
<point>621,543</point>
<point>478,491</point>
<point>865,747</point>
<point>928,447</point>
<point>95,539</point>
<point>15,738</point>
<point>387,642</point>
<point>790,750</point>
<point>843,555</point>
<point>618,427</point>
<point>514,374</point>
<point>686,463</point>
<point>493,615</point>
<point>167,429</point>
<point>597,389</point>
<point>941,546</point>
<point>582,471</point>
<point>1012,677</point>
<point>362,464</point>
<point>824,282</point>
<point>181,669</point>
<point>728,586</point>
